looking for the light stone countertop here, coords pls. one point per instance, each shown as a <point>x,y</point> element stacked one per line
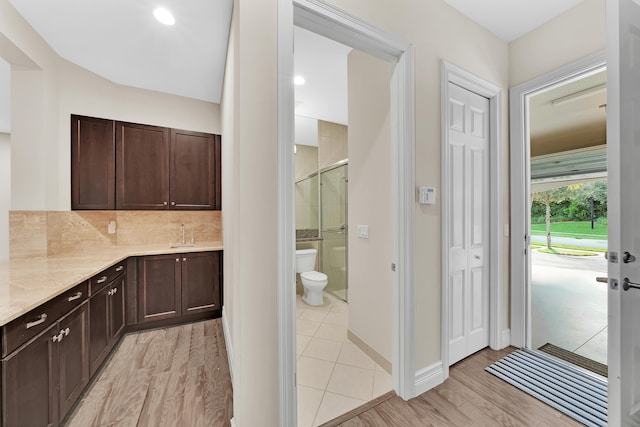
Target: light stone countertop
<point>27,283</point>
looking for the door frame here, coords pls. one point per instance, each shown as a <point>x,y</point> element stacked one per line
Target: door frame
<point>498,338</point>
<point>327,20</point>
<point>520,186</point>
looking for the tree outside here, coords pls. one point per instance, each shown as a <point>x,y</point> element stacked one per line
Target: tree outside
<point>570,204</point>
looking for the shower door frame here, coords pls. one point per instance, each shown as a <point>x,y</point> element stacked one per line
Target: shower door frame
<point>329,168</point>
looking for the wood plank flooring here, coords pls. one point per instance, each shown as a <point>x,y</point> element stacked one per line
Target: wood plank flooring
<point>470,397</point>
<point>176,376</point>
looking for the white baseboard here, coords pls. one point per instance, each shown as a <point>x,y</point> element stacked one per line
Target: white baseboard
<point>429,377</point>
<point>505,339</point>
<point>228,344</point>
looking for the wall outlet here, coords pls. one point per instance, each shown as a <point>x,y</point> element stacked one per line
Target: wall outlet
<point>111,228</point>
<point>363,231</point>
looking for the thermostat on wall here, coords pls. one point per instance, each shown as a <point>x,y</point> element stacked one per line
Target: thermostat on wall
<point>427,196</point>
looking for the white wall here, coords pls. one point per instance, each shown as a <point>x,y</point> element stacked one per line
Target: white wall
<point>250,111</point>
<point>5,96</point>
<point>230,181</point>
<point>5,193</point>
<point>370,201</point>
<point>575,34</point>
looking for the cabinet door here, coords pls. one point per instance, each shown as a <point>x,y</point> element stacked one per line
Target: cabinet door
<point>158,287</point>
<point>142,166</point>
<point>92,163</point>
<point>29,383</point>
<point>116,309</point>
<point>200,282</point>
<point>193,175</point>
<point>73,357</point>
<point>99,334</point>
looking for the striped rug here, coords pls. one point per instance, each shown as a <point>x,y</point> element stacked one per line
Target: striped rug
<point>580,395</point>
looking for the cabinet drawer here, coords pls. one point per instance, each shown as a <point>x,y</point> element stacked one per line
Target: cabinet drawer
<point>27,326</point>
<point>100,280</point>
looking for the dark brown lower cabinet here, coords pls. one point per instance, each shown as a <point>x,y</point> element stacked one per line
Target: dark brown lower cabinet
<point>158,287</point>
<point>107,321</point>
<point>45,371</point>
<point>42,379</point>
<point>73,358</point>
<point>172,286</point>
<point>200,281</point>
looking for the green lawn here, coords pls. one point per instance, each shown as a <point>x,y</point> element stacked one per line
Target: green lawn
<point>580,230</point>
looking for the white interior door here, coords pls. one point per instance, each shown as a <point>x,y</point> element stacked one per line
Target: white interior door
<point>623,141</point>
<point>469,231</point>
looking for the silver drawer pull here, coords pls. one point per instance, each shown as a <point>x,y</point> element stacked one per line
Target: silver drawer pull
<point>42,319</point>
<point>120,268</point>
<point>115,291</point>
<point>102,279</point>
<point>78,295</point>
<point>66,332</point>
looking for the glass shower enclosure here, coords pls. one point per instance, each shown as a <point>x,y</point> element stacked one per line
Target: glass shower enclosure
<point>333,226</point>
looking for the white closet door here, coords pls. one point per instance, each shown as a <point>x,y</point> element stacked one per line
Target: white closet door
<point>469,231</point>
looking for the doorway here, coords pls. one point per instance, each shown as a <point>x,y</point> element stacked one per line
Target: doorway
<point>472,227</point>
<point>557,304</point>
<point>468,171</point>
<point>326,20</point>
<point>568,219</point>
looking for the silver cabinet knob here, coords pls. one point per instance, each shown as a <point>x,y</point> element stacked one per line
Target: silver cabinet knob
<point>164,203</point>
<point>67,332</point>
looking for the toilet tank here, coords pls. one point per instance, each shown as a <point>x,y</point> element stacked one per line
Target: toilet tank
<point>305,260</point>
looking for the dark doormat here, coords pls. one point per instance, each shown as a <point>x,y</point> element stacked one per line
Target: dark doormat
<point>576,359</point>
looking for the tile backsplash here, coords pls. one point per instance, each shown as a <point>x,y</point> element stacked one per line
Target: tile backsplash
<point>41,233</point>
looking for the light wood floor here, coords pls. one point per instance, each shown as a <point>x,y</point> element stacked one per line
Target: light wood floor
<point>470,397</point>
<point>177,376</point>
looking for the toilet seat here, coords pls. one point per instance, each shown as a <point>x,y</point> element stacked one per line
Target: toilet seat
<point>314,276</point>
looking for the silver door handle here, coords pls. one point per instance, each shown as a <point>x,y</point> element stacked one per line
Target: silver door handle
<point>102,279</point>
<point>628,284</point>
<point>476,256</point>
<point>78,295</point>
<point>120,268</point>
<point>41,319</point>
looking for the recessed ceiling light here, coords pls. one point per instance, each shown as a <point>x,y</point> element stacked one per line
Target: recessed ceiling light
<point>164,16</point>
<point>298,80</point>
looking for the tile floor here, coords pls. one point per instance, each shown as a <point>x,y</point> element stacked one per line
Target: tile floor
<point>334,376</point>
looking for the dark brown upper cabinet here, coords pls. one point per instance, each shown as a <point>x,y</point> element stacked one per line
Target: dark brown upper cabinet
<point>92,163</point>
<point>195,158</point>
<point>130,166</point>
<point>142,167</point>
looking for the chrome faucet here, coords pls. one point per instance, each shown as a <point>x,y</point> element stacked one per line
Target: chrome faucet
<point>184,239</point>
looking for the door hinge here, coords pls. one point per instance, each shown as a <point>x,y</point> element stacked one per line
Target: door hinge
<point>393,266</point>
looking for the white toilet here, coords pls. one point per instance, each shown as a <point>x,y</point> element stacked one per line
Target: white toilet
<point>312,281</point>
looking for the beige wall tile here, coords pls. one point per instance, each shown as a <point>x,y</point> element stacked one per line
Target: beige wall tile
<point>80,230</point>
<point>27,234</point>
<point>332,143</point>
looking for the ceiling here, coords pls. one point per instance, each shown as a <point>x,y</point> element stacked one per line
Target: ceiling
<point>123,42</point>
<point>569,117</point>
<point>323,64</point>
<point>511,19</point>
<point>568,132</point>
